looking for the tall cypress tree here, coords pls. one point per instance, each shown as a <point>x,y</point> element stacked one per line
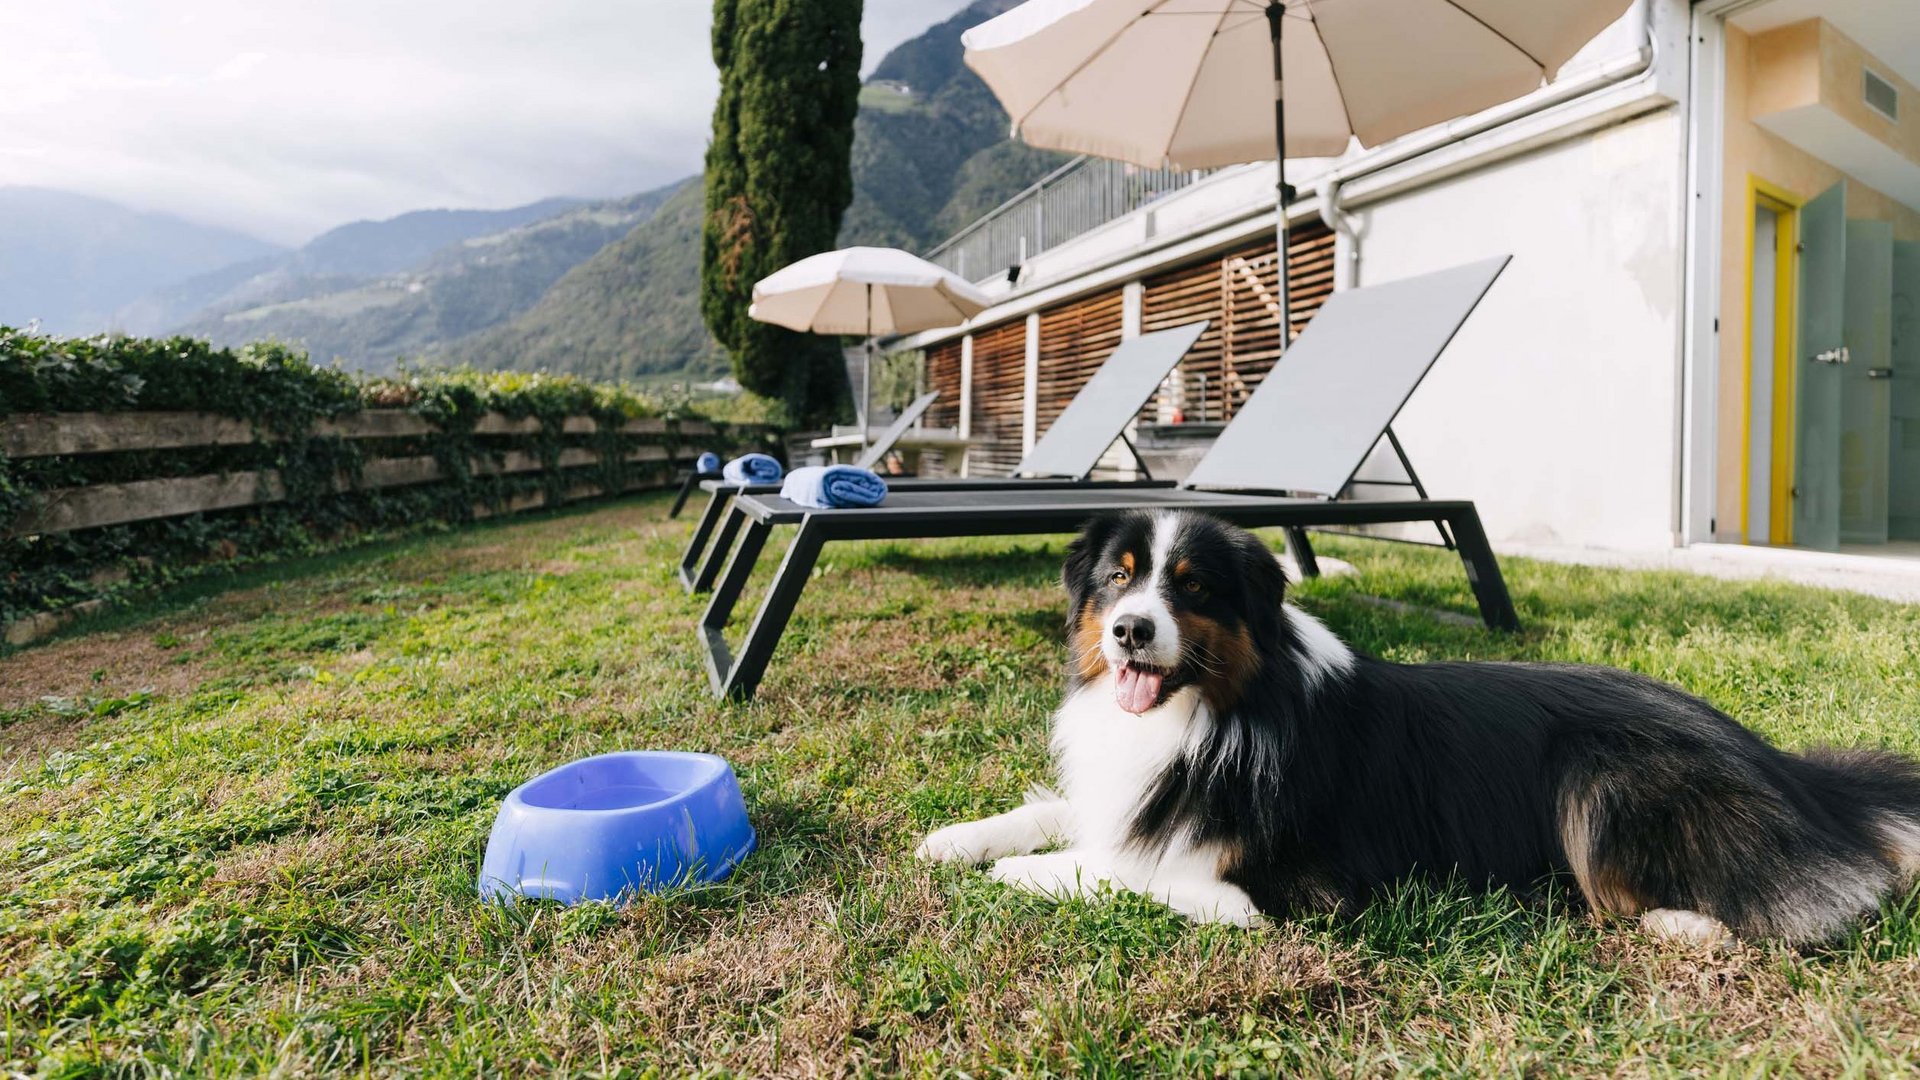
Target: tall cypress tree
<point>778,179</point>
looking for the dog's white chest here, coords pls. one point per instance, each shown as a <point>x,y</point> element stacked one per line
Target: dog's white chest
<point>1108,757</point>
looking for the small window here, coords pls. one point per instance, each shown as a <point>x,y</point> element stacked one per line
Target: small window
<point>1881,95</point>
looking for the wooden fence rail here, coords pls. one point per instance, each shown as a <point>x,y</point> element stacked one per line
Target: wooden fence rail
<point>69,509</point>
<point>28,435</point>
<point>654,445</point>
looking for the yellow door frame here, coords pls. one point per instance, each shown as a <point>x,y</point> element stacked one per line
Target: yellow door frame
<point>1786,206</point>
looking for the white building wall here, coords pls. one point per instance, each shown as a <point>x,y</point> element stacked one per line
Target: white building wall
<point>1557,407</point>
<point>1554,408</point>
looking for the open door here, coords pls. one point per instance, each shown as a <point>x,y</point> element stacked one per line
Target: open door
<point>1818,390</point>
<point>1866,380</point>
<point>1903,510</point>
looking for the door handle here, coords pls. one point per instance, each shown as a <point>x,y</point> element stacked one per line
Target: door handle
<point>1832,356</point>
<point>1879,373</point>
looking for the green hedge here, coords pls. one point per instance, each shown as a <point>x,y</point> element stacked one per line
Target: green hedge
<point>283,397</point>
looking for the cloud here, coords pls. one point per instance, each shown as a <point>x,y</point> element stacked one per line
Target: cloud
<point>290,117</point>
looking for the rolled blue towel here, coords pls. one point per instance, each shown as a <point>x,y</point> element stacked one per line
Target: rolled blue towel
<point>833,487</point>
<point>708,461</point>
<point>753,469</point>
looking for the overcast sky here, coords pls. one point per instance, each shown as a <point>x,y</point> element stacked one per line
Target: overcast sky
<point>286,117</point>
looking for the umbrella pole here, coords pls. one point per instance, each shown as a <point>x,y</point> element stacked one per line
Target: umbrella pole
<point>1276,11</point>
<point>866,375</point>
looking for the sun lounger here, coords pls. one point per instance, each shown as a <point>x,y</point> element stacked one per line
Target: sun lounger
<point>1295,446</point>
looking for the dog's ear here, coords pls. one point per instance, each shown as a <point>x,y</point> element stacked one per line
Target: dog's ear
<point>1083,553</point>
<point>1265,583</point>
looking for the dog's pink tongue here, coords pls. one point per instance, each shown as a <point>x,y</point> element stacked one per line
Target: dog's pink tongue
<point>1136,690</point>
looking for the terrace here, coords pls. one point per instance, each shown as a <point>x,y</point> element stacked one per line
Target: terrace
<point>240,823</point>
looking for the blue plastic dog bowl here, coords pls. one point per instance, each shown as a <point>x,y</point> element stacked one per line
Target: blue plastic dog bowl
<point>605,826</point>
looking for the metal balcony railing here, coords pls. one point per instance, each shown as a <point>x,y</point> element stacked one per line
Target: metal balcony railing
<point>1075,198</point>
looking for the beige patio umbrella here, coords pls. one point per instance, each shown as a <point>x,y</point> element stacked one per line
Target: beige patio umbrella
<point>866,291</point>
<point>1196,84</point>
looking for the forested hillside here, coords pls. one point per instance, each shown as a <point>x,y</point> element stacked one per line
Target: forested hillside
<point>630,312</point>
<point>927,162</point>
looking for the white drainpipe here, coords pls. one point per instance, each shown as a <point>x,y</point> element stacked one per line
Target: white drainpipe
<point>1346,230</point>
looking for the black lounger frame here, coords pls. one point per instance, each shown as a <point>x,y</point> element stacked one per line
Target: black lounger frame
<point>737,674</point>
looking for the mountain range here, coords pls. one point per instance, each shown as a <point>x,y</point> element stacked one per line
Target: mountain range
<point>72,261</point>
<point>930,154</point>
<point>406,295</point>
<point>606,288</point>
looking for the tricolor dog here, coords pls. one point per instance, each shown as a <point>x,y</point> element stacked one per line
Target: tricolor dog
<point>1225,753</point>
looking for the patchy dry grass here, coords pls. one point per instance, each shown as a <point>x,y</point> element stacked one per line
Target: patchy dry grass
<point>239,832</point>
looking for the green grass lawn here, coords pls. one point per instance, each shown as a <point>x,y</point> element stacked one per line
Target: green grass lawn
<point>239,832</point>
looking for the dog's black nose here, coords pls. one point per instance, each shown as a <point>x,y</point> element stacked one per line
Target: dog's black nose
<point>1133,631</point>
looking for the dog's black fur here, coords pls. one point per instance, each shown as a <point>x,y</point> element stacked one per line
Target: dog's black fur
<point>1324,786</point>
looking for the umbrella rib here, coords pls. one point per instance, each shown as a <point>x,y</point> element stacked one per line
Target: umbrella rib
<point>1166,151</point>
<point>1339,88</point>
<point>1489,29</point>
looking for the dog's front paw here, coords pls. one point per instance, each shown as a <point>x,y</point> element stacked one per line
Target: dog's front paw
<point>1212,902</point>
<point>1686,927</point>
<point>967,843</point>
<point>1056,874</point>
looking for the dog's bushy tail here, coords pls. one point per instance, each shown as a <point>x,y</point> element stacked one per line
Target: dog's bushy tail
<point>1878,789</point>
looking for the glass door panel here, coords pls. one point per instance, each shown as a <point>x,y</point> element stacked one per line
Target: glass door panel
<point>1816,369</point>
<point>1903,509</point>
<point>1866,381</point>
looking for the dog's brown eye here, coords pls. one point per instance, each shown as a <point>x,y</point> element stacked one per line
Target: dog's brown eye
<point>1120,577</point>
<point>1194,587</point>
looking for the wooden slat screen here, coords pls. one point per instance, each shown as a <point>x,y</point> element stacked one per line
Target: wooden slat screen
<point>1236,293</point>
<point>1075,339</point>
<point>1309,271</point>
<point>1182,296</point>
<point>999,387</point>
<point>943,374</point>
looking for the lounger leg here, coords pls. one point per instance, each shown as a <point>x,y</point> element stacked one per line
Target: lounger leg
<point>701,533</point>
<point>738,676</point>
<point>717,555</point>
<point>686,489</point>
<point>1483,571</point>
<point>1302,551</point>
<point>713,622</point>
<point>771,621</point>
